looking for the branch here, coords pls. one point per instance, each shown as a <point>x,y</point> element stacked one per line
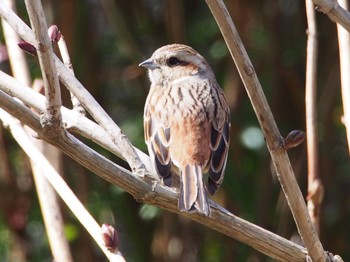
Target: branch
<point>344,55</point>
<point>120,141</point>
<point>49,202</point>
<point>269,128</point>
<point>17,59</point>
<point>57,37</point>
<point>71,119</point>
<point>150,191</point>
<point>49,173</point>
<point>315,188</point>
<point>52,114</point>
<point>334,11</point>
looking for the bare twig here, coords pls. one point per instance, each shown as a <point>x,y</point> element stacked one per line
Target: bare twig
<point>56,36</point>
<point>120,141</point>
<point>71,119</point>
<point>47,197</point>
<point>344,55</point>
<point>16,57</point>
<point>43,45</point>
<point>49,202</point>
<point>334,11</point>
<point>263,112</point>
<point>149,191</point>
<point>315,188</point>
<point>55,180</point>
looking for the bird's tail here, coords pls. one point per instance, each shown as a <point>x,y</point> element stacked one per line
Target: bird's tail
<point>192,191</point>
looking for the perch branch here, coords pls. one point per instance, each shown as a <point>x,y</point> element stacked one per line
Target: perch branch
<point>344,55</point>
<point>269,128</point>
<point>149,191</point>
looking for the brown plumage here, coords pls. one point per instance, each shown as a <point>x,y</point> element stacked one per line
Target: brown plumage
<point>187,124</point>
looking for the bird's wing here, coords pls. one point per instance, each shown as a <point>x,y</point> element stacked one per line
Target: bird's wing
<point>157,135</point>
<point>219,140</point>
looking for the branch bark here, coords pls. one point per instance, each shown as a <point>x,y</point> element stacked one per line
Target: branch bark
<point>48,172</point>
<point>315,187</point>
<point>120,141</point>
<point>271,133</point>
<point>48,199</point>
<point>72,120</point>
<point>334,11</point>
<point>45,52</point>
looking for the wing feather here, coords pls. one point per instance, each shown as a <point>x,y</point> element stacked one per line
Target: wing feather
<point>157,137</point>
<point>220,138</point>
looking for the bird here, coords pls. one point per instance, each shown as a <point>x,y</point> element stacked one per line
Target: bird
<point>186,125</point>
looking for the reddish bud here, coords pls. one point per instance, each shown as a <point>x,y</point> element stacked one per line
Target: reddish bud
<point>29,48</point>
<point>54,34</point>
<point>110,237</point>
<point>293,139</point>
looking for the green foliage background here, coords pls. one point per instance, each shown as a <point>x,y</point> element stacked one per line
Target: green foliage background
<point>107,40</point>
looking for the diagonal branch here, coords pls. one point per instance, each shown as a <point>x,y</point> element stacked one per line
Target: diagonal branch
<point>120,141</point>
<point>334,11</point>
<point>270,130</point>
<point>72,120</point>
<point>55,179</point>
<point>49,202</point>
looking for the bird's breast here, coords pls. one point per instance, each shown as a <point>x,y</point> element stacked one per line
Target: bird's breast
<point>190,141</point>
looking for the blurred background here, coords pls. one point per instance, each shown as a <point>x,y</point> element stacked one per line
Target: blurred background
<point>107,39</point>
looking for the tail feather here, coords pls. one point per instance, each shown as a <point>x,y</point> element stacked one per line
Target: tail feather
<point>192,190</point>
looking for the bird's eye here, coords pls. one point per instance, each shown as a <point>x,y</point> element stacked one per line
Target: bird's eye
<point>173,61</point>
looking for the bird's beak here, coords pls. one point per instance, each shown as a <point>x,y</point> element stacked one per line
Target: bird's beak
<point>149,64</point>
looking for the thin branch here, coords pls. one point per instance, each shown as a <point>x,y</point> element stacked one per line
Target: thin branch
<point>151,192</point>
<point>55,180</point>
<point>57,36</point>
<point>49,203</point>
<point>16,57</point>
<point>122,144</point>
<point>344,55</point>
<point>334,11</point>
<point>315,188</point>
<point>43,46</point>
<point>271,133</point>
<point>71,119</point>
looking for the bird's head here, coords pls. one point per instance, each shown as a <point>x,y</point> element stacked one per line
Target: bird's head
<point>172,62</point>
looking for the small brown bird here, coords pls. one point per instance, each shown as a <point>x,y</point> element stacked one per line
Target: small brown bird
<point>187,124</point>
